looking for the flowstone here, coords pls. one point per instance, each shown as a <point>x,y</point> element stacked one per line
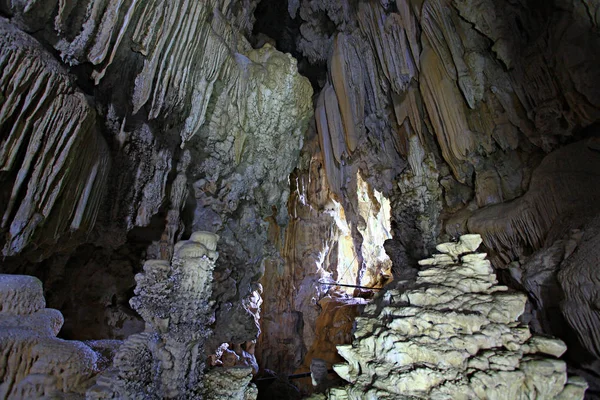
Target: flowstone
<point>35,364</point>
<point>167,360</point>
<point>452,334</point>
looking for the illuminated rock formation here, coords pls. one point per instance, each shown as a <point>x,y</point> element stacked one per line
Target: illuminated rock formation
<point>454,333</point>
<point>125,125</point>
<point>469,93</point>
<point>203,132</point>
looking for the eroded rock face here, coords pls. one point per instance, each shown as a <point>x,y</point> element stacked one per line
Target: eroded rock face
<point>36,364</point>
<point>454,333</point>
<point>456,112</point>
<point>469,107</point>
<point>562,195</point>
<point>560,280</point>
<point>467,115</point>
<point>229,383</point>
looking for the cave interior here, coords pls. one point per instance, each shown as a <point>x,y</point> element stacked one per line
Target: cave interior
<point>290,199</point>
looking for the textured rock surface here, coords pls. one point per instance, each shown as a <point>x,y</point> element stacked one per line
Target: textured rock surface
<point>415,76</point>
<point>454,333</point>
<point>424,64</point>
<point>35,363</point>
<point>229,383</point>
<point>433,118</point>
<point>167,360</point>
<point>562,187</point>
<point>560,280</point>
<point>53,162</point>
<point>202,129</point>
<point>465,115</point>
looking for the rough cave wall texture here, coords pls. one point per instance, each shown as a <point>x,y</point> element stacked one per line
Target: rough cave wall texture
<point>453,333</point>
<point>471,117</point>
<point>202,130</point>
<point>127,125</point>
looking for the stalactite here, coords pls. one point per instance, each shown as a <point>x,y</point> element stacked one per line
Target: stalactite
<point>51,154</point>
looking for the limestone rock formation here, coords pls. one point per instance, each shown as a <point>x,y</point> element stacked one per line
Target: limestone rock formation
<point>229,383</point>
<point>470,94</point>
<point>53,161</point>
<point>562,187</point>
<point>125,125</point>
<point>454,333</point>
<point>469,116</point>
<point>35,363</point>
<point>560,280</point>
<point>168,359</point>
<point>202,131</point>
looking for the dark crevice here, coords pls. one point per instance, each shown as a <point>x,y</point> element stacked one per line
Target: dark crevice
<point>274,22</point>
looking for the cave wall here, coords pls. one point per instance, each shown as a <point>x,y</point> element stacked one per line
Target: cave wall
<point>126,125</point>
<point>442,109</point>
<point>471,117</point>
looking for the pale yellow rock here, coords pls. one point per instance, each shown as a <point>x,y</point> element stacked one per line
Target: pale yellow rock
<point>20,294</point>
<point>452,334</point>
<point>168,360</point>
<point>36,364</point>
<point>466,244</point>
<point>546,345</point>
<point>207,239</point>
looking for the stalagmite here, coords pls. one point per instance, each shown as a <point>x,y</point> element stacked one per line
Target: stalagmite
<point>168,360</point>
<point>126,125</point>
<point>454,333</point>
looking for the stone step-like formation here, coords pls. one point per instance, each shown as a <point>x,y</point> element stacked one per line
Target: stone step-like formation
<point>34,363</point>
<point>452,334</point>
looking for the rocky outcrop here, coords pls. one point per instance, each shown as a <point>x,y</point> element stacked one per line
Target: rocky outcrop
<point>454,333</point>
<point>433,118</point>
<point>560,281</point>
<point>35,363</point>
<point>469,116</point>
<point>229,383</point>
<point>562,188</point>
<point>168,359</point>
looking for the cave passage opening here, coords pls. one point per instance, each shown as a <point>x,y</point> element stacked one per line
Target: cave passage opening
<point>364,264</point>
